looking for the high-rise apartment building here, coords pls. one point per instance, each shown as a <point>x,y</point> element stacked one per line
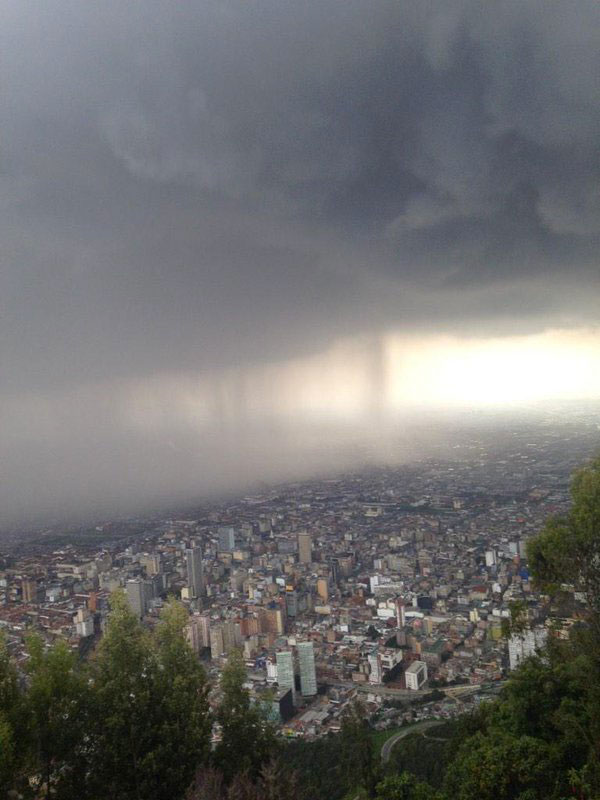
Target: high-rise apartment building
<point>198,632</point>
<point>224,638</point>
<point>304,547</point>
<point>195,571</point>
<point>525,644</point>
<point>231,636</point>
<point>308,675</point>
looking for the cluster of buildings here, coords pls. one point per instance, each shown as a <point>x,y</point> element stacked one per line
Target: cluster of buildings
<point>390,582</point>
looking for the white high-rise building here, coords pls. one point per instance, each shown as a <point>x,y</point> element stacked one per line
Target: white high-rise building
<point>416,675</point>
<point>523,645</point>
<point>308,675</point>
<point>375,673</point>
<point>400,613</point>
<point>195,571</point>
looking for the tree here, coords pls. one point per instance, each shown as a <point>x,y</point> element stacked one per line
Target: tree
<point>405,787</point>
<point>125,679</point>
<point>56,708</point>
<point>319,765</point>
<point>502,767</point>
<point>184,725</point>
<point>568,551</point>
<point>358,752</point>
<point>247,738</point>
<point>274,783</point>
<point>153,726</point>
<point>13,733</point>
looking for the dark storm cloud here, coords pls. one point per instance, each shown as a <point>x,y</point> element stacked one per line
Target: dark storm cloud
<point>205,182</point>
<point>198,184</point>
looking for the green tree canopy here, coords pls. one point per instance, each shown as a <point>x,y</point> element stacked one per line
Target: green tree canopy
<point>359,759</point>
<point>248,740</point>
<point>57,711</point>
<point>153,727</point>
<point>12,728</point>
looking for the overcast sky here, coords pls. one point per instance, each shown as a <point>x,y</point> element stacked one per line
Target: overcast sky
<point>197,193</point>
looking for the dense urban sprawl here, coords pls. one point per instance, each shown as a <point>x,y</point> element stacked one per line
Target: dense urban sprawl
<point>392,583</point>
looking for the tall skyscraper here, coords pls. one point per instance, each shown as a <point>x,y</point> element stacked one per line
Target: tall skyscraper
<point>285,671</point>
<point>308,676</point>
<point>323,589</point>
<point>195,571</point>
<point>226,535</point>
<point>400,613</point>
<point>304,547</point>
<point>139,594</point>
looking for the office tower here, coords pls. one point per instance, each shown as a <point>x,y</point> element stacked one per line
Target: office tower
<point>308,677</point>
<point>195,572</point>
<point>226,535</point>
<point>305,548</point>
<point>323,589</point>
<point>291,603</point>
<point>400,613</point>
<point>216,642</point>
<point>139,594</point>
<point>204,630</point>
<point>285,671</point>
<point>335,571</point>
<point>416,675</point>
<point>490,558</point>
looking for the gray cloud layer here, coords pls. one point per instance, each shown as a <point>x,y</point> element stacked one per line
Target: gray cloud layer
<point>203,183</point>
<point>207,182</point>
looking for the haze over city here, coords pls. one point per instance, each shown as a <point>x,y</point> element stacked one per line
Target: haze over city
<point>252,241</point>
